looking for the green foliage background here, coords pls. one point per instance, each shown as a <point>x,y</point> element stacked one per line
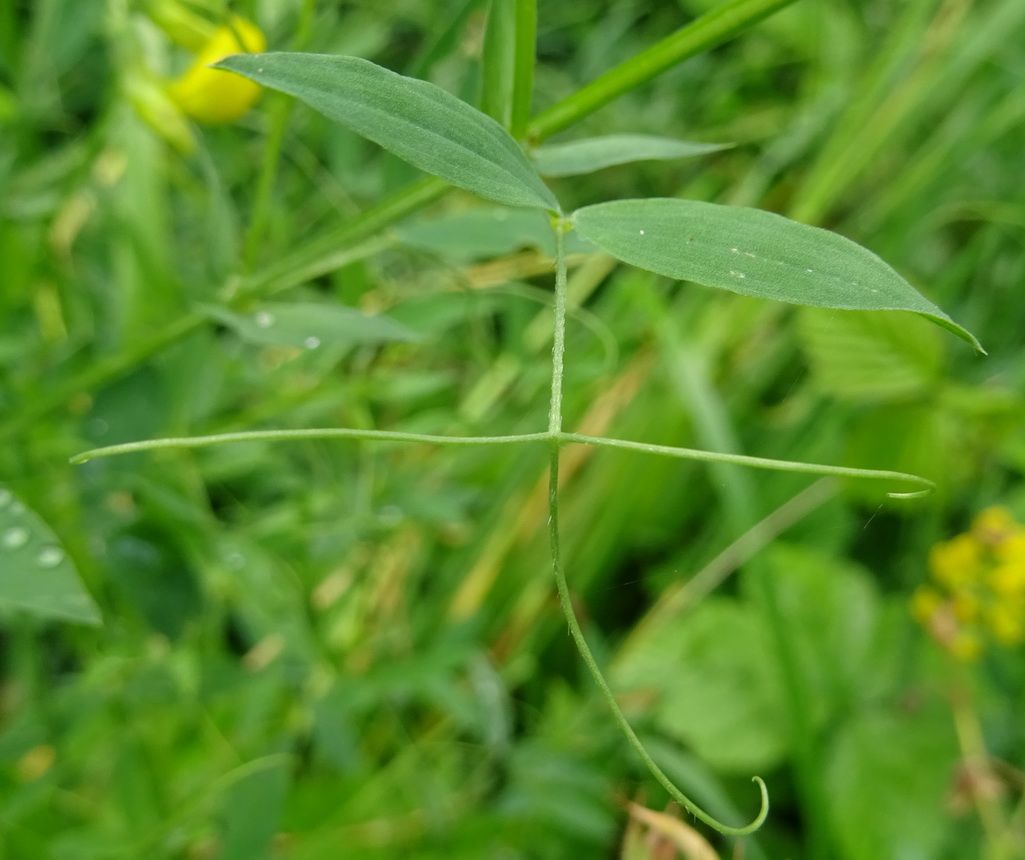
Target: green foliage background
<point>318,650</point>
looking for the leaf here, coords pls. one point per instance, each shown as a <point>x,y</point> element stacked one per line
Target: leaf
<point>594,153</point>
<point>486,232</point>
<point>421,123</point>
<point>310,325</point>
<point>889,773</point>
<point>35,572</point>
<point>755,253</point>
<point>712,684</point>
<point>869,355</point>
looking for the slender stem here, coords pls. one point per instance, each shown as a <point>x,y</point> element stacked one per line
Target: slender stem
<point>280,110</point>
<point>524,48</point>
<point>556,437</point>
<point>559,337</point>
<point>292,435</point>
<point>760,462</point>
<point>566,603</point>
<point>706,32</point>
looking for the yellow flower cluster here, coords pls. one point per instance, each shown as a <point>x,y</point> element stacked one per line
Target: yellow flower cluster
<point>977,591</point>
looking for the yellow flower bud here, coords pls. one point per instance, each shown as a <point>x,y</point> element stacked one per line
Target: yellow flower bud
<point>212,96</point>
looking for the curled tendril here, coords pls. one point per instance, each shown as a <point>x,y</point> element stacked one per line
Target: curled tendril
<point>592,665</point>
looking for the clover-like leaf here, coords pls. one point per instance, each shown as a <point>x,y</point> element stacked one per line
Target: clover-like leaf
<point>755,253</point>
<point>421,123</point>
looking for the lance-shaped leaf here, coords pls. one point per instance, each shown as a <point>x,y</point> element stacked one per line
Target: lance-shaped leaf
<point>421,123</point>
<point>755,253</point>
<point>36,575</point>
<point>594,153</point>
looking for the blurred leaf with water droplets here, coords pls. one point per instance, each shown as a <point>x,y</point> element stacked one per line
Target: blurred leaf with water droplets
<point>309,325</point>
<point>35,573</point>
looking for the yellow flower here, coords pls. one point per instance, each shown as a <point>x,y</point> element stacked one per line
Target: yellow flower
<point>966,646</point>
<point>979,587</point>
<point>993,525</point>
<point>1008,580</point>
<point>1006,624</point>
<point>212,96</point>
<point>956,563</point>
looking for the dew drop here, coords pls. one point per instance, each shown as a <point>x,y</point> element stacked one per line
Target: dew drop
<point>5,497</point>
<point>264,319</point>
<point>14,538</point>
<point>50,556</point>
<point>311,342</point>
<point>734,251</point>
<point>808,270</point>
<point>641,232</point>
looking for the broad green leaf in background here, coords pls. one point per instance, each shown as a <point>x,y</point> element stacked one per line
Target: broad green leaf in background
<point>711,682</point>
<point>889,774</point>
<point>36,575</point>
<point>585,156</point>
<point>755,253</point>
<point>421,123</point>
<point>869,355</point>
<point>308,325</point>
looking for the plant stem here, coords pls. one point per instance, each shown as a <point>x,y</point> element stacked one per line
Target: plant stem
<point>556,437</point>
<point>566,602</point>
<point>524,48</point>
<point>559,336</point>
<point>711,29</point>
<point>293,435</point>
<point>280,110</point>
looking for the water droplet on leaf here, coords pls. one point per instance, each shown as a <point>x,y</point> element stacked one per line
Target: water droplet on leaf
<point>312,342</point>
<point>50,556</point>
<point>264,319</point>
<point>15,537</point>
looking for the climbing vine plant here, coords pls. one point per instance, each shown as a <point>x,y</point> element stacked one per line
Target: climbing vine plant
<point>742,250</point>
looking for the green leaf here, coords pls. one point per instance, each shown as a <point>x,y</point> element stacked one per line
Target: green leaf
<point>754,253</point>
<point>35,573</point>
<point>869,355</point>
<point>421,123</point>
<point>711,682</point>
<point>310,325</point>
<point>889,774</point>
<point>486,232</point>
<point>586,156</point>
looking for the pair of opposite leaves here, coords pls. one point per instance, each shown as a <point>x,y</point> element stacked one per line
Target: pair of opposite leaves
<point>743,250</point>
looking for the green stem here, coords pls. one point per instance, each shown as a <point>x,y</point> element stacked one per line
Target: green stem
<point>280,110</point>
<point>524,48</point>
<point>559,335</point>
<point>556,437</point>
<point>926,485</point>
<point>711,29</point>
<point>551,436</point>
<point>293,435</point>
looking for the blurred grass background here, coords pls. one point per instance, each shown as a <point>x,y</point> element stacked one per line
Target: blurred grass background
<point>320,650</point>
